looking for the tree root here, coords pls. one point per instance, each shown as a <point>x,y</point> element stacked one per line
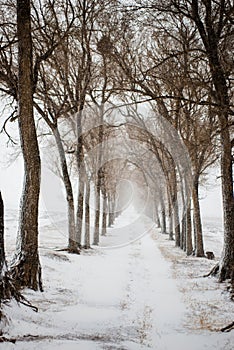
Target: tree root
<point>223,276</point>
<point>8,291</point>
<point>69,250</point>
<point>26,272</point>
<point>213,271</point>
<point>228,328</point>
<point>9,340</point>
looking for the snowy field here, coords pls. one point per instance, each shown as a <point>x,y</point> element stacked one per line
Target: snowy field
<point>143,295</point>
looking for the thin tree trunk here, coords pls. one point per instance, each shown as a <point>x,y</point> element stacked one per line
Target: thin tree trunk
<point>199,252</point>
<point>97,215</point>
<point>170,222</point>
<point>80,206</point>
<point>87,216</point>
<point>2,248</point>
<point>183,234</point>
<point>26,268</point>
<point>99,181</point>
<point>72,243</point>
<point>176,224</point>
<point>156,218</point>
<point>163,219</point>
<point>175,209</point>
<point>189,244</point>
<point>104,215</point>
<point>111,211</point>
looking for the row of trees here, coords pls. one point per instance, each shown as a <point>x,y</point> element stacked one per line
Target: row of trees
<point>68,65</point>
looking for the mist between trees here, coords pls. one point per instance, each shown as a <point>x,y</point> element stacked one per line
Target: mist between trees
<point>113,92</point>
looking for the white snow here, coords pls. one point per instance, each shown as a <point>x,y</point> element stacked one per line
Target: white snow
<point>145,294</point>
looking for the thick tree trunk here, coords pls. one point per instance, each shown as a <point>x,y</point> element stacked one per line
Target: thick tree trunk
<point>199,250</point>
<point>26,268</point>
<point>227,260</point>
<point>87,216</point>
<point>211,43</point>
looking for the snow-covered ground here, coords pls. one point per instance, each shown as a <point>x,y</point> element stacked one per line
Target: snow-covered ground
<point>142,295</point>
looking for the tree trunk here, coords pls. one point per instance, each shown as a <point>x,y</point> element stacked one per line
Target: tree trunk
<point>183,234</point>
<point>211,44</point>
<point>157,219</point>
<point>87,216</point>
<point>110,211</point>
<point>99,179</point>
<point>72,243</point>
<point>8,289</point>
<point>227,260</point>
<point>199,250</point>
<point>97,214</point>
<point>189,244</point>
<point>2,248</point>
<point>176,224</point>
<point>170,222</point>
<point>80,206</point>
<point>163,219</point>
<point>104,215</point>
<point>26,268</point>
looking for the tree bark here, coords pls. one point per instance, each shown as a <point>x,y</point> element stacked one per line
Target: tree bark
<point>72,243</point>
<point>104,215</point>
<point>80,206</point>
<point>170,217</point>
<point>2,248</point>
<point>87,216</point>
<point>97,214</point>
<point>176,224</point>
<point>111,211</point>
<point>99,179</point>
<point>199,250</point>
<point>26,268</point>
<point>189,244</point>
<point>163,219</point>
<point>183,234</point>
<point>210,38</point>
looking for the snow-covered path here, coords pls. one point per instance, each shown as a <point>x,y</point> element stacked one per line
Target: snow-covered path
<point>122,298</point>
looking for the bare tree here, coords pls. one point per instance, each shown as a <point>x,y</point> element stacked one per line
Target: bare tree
<point>213,21</point>
<point>26,268</point>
